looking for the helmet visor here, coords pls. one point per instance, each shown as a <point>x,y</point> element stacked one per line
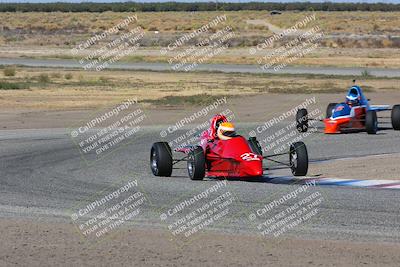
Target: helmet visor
<point>229,133</point>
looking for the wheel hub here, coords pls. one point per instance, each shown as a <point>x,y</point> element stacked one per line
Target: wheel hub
<point>190,165</point>
<point>293,160</point>
<point>154,161</point>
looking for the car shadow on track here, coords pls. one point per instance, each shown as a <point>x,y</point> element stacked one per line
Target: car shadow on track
<point>281,179</point>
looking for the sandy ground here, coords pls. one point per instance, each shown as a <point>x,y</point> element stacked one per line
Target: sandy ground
<point>42,243</point>
<point>339,57</point>
<point>251,108</point>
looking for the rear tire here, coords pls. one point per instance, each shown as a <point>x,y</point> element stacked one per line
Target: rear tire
<point>196,164</point>
<point>161,159</point>
<point>302,120</point>
<point>329,109</point>
<point>298,158</point>
<point>396,117</point>
<point>371,122</point>
<point>255,146</point>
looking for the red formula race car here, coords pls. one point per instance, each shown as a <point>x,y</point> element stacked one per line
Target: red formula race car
<point>222,153</point>
<point>355,114</point>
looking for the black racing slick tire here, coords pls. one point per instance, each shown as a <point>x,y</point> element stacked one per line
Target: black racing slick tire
<point>302,120</point>
<point>396,117</point>
<point>329,109</point>
<point>255,146</point>
<point>196,163</point>
<point>371,122</point>
<point>161,159</point>
<point>298,158</point>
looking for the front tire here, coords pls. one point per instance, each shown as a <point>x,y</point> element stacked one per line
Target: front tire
<point>196,163</point>
<point>302,120</point>
<point>298,158</point>
<point>396,117</point>
<point>329,109</point>
<point>371,122</point>
<point>161,159</point>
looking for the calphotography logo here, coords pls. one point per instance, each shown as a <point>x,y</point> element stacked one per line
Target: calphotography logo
<point>108,130</point>
<point>287,212</point>
<point>198,211</point>
<point>204,112</point>
<point>199,46</point>
<point>288,45</point>
<point>113,30</point>
<point>126,44</point>
<point>277,134</point>
<point>108,210</point>
<point>203,29</point>
<point>187,131</point>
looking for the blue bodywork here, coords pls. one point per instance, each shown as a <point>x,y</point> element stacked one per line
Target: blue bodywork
<point>340,110</point>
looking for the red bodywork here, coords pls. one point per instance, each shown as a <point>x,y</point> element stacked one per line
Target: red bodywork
<point>356,121</point>
<point>228,158</point>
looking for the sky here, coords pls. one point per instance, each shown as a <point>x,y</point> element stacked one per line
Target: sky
<point>243,1</point>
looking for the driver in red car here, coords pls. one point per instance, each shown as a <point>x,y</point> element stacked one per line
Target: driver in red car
<point>220,129</point>
<point>214,125</point>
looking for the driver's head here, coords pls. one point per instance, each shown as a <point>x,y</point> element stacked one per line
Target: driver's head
<point>226,131</point>
<point>353,97</point>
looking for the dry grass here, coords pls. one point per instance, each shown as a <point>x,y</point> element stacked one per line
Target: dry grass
<point>86,90</point>
<point>331,22</point>
<point>9,71</point>
<point>43,35</point>
<point>343,57</point>
<point>67,29</point>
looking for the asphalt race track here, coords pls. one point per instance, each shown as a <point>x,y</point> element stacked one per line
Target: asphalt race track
<point>242,68</point>
<point>44,176</point>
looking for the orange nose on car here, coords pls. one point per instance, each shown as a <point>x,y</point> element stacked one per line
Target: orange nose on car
<point>333,126</point>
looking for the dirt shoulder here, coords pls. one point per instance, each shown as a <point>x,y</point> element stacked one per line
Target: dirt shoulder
<point>380,167</point>
<point>247,108</point>
<point>38,243</point>
<point>338,57</point>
